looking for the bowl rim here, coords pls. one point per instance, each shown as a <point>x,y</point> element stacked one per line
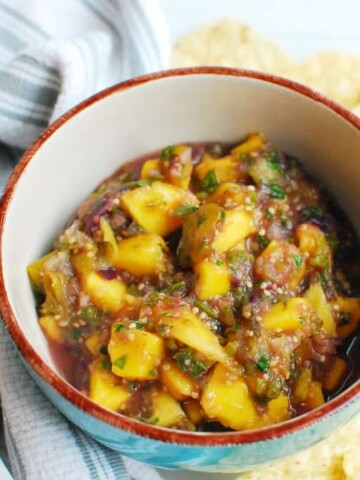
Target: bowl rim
<point>75,397</point>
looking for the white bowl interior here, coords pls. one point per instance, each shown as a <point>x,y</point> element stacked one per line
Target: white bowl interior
<point>127,124</point>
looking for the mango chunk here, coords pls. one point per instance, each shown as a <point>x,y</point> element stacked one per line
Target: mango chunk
<point>281,263</point>
<point>176,165</point>
<point>279,408</point>
<point>315,397</point>
<point>142,255</point>
<point>107,295</point>
<point>261,170</point>
<point>254,141</point>
<point>151,206</point>
<point>312,241</point>
<point>316,297</point>
<point>347,315</point>
<point>177,382</point>
<point>238,225</point>
<point>302,385</point>
<point>190,330</point>
<point>135,353</point>
<point>193,410</point>
<point>226,398</point>
<point>166,411</point>
<point>109,239</point>
<point>226,168</point>
<point>105,388</point>
<point>51,328</point>
<point>212,279</point>
<point>36,270</point>
<point>231,195</point>
<point>290,315</point>
<point>335,376</point>
<point>94,342</point>
<point>151,169</point>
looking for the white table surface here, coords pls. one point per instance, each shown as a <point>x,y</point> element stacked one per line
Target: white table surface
<point>299,27</point>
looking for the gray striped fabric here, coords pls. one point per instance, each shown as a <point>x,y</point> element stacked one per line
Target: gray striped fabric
<point>53,54</point>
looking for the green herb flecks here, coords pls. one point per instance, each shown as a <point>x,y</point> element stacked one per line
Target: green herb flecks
<point>167,152</point>
<point>121,362</point>
<point>276,191</point>
<point>312,213</point>
<point>210,183</point>
<point>118,327</point>
<point>205,307</point>
<point>298,260</point>
<point>184,210</point>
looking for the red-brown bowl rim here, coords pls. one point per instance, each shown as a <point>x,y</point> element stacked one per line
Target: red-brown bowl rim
<point>201,439</point>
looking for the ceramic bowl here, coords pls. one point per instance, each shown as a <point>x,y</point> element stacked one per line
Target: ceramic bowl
<point>121,123</point>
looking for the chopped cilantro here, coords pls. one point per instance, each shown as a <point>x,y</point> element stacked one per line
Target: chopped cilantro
<point>263,364</point>
<point>121,362</point>
<point>222,215</point>
<point>89,313</point>
<point>187,361</point>
<point>105,363</point>
<point>118,327</point>
<point>176,286</point>
<point>273,162</point>
<point>311,213</point>
<point>205,307</point>
<point>276,191</point>
<point>167,314</point>
<point>219,262</point>
<point>210,183</point>
<point>152,373</point>
<point>103,350</point>
<point>139,325</point>
<point>156,420</point>
<point>76,333</point>
<point>262,241</point>
<point>298,260</point>
<point>215,150</point>
<point>201,219</point>
<point>184,210</point>
<point>167,152</point>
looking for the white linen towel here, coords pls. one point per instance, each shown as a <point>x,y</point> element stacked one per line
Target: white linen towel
<point>53,54</point>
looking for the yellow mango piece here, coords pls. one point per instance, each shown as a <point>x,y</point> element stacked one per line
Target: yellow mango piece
<point>348,315</point>
<point>82,262</point>
<point>289,315</point>
<point>231,195</point>
<point>109,239</point>
<point>261,171</point>
<point>237,226</point>
<point>334,377</point>
<point>142,255</point>
<point>177,167</point>
<point>51,328</point>
<point>166,411</point>
<point>255,141</point>
<point>279,409</point>
<point>316,397</point>
<point>107,295</point>
<point>36,270</point>
<point>94,342</point>
<point>135,353</point>
<point>105,388</point>
<point>211,279</point>
<point>302,385</point>
<point>226,399</point>
<point>151,169</point>
<point>193,410</point>
<point>226,168</point>
<point>55,289</point>
<point>190,330</point>
<point>177,382</point>
<point>151,206</point>
<point>316,297</point>
<point>312,241</point>
<point>281,263</point>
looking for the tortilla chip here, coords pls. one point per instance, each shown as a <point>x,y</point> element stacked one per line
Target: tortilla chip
<point>234,44</point>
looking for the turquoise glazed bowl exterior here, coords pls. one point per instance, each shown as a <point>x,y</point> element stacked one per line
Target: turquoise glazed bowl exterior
<point>89,143</point>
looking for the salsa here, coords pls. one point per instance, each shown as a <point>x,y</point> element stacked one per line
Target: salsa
<point>204,287</point>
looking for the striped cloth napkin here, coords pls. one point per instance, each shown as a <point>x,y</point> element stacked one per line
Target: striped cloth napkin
<point>53,54</point>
